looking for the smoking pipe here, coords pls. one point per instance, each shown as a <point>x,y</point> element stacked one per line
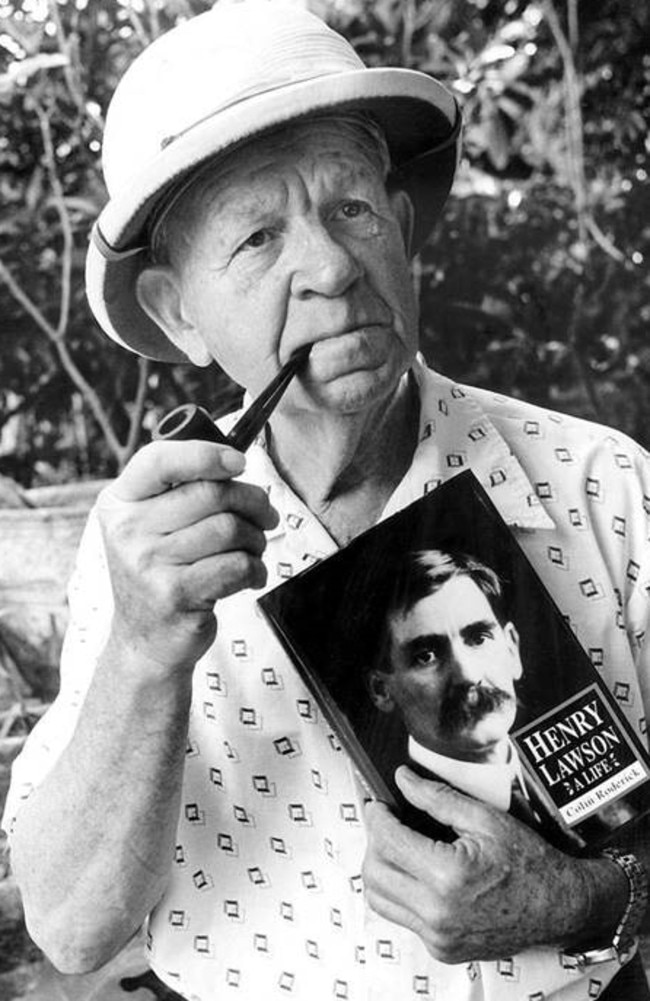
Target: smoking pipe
<point>192,422</point>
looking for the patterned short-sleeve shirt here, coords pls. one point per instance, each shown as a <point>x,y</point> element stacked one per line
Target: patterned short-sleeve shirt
<point>265,898</point>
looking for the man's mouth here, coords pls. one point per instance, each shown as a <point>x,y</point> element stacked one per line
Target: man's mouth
<point>463,706</point>
<point>360,344</point>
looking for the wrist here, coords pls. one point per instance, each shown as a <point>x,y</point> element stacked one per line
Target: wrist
<point>617,894</point>
<point>143,665</point>
<point>601,905</point>
<point>127,677</point>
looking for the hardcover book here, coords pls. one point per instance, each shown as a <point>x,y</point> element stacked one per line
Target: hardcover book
<point>431,641</point>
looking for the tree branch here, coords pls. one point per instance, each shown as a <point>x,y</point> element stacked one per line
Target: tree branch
<point>64,218</point>
<point>573,337</point>
<point>574,123</point>
<point>91,398</point>
<point>574,29</point>
<point>154,21</point>
<point>408,30</point>
<point>144,367</point>
<point>604,242</point>
<point>28,400</point>
<point>56,333</point>
<point>71,67</point>
<point>568,49</point>
<point>138,27</point>
<point>576,164</point>
<point>23,300</point>
<point>69,365</point>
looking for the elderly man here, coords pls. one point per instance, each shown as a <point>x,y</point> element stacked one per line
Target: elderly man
<point>266,191</point>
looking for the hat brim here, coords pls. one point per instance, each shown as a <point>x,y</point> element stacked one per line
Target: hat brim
<point>419,117</point>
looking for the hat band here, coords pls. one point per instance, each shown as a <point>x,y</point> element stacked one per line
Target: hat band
<point>109,253</point>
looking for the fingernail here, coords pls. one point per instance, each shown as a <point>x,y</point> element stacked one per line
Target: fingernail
<point>233,461</point>
<point>406,775</point>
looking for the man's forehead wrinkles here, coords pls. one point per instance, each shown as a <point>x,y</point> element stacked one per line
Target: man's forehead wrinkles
<point>272,158</point>
<point>264,189</point>
<point>329,167</point>
<point>312,139</point>
<point>238,202</point>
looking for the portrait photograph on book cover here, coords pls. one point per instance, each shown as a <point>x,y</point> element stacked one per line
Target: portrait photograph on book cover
<point>431,641</point>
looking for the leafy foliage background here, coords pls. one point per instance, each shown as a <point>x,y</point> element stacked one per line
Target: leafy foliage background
<point>535,283</point>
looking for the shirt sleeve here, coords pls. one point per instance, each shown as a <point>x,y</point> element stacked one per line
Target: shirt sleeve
<point>90,609</point>
<point>634,594</point>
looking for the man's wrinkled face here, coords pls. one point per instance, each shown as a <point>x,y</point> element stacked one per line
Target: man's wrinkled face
<point>453,672</point>
<point>298,242</point>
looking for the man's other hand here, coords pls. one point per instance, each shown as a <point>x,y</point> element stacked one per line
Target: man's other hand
<point>497,889</point>
<point>180,533</point>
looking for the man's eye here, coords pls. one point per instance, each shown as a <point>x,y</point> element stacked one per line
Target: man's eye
<point>354,209</point>
<point>256,240</point>
<point>424,657</point>
<point>478,636</point>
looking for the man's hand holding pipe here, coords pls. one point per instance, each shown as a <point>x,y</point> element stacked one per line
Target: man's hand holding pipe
<point>180,533</point>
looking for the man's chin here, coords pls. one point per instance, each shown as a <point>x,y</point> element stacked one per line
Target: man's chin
<point>480,742</point>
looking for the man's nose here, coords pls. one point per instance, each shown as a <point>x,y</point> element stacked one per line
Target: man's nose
<point>463,667</point>
<point>323,265</point>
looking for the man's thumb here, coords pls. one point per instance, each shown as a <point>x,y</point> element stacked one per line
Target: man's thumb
<point>442,802</point>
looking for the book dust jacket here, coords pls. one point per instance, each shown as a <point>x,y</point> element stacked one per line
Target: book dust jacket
<point>431,641</point>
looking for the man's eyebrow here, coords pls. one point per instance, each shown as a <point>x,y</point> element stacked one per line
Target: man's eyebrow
<point>431,639</point>
<point>421,641</point>
<point>239,225</point>
<point>480,625</point>
<point>246,214</point>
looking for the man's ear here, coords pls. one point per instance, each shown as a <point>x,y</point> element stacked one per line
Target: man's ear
<point>513,642</point>
<point>159,295</point>
<point>379,691</point>
<point>403,209</point>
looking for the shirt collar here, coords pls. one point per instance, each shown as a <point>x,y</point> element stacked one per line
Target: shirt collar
<point>491,783</point>
<point>456,434</point>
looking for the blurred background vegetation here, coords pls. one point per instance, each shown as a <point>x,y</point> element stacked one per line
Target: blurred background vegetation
<point>535,283</point>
